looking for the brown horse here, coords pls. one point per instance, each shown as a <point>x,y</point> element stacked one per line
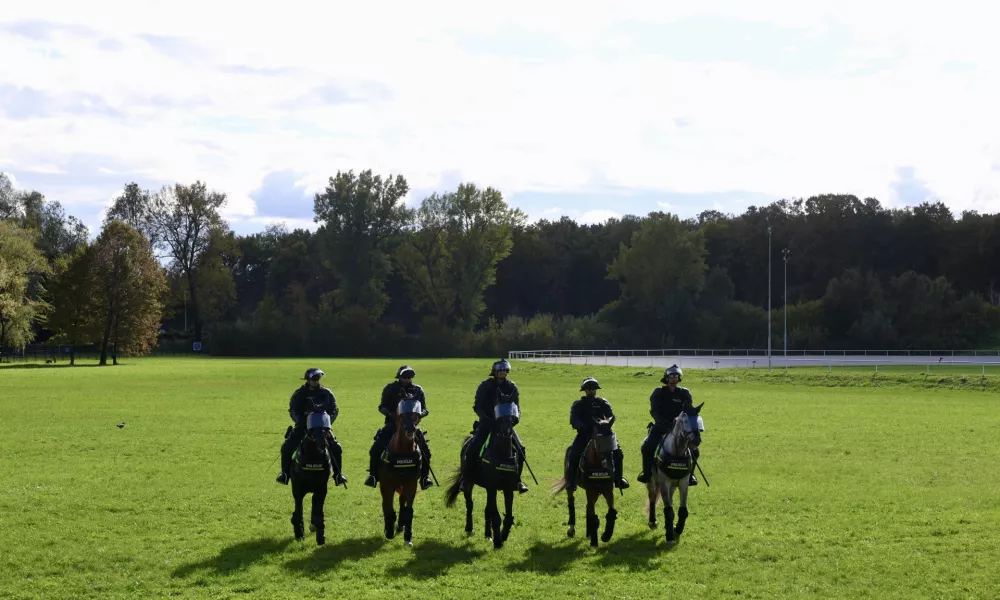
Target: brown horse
<point>400,470</point>
<point>596,477</point>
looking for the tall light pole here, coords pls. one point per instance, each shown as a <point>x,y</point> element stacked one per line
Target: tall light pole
<point>784,254</point>
<point>768,294</point>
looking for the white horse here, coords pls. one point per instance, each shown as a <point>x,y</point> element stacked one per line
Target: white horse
<point>674,465</point>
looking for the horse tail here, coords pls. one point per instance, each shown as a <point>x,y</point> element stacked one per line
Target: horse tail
<point>559,486</point>
<point>451,493</point>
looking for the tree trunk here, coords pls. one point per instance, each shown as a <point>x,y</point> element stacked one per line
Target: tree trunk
<point>114,347</point>
<point>72,355</point>
<point>107,336</point>
<point>194,306</point>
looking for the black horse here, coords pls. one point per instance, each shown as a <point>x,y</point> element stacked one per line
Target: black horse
<point>498,469</point>
<point>311,474</point>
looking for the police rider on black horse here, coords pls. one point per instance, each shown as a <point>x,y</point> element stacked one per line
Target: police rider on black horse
<point>665,404</point>
<point>311,397</point>
<point>496,388</point>
<point>395,391</point>
<point>583,414</point>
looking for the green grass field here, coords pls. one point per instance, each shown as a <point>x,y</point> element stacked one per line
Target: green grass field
<point>822,485</point>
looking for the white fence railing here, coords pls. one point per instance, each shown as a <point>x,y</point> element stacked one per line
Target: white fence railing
<point>716,360</point>
<point>529,354</point>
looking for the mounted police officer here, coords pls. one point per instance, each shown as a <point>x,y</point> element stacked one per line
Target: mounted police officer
<point>391,395</point>
<point>491,391</point>
<point>582,415</point>
<point>665,404</point>
<point>311,397</point>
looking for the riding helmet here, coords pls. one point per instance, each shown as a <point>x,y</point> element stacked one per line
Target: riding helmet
<point>404,371</point>
<point>500,365</point>
<point>310,373</point>
<point>672,370</point>
<point>590,383</point>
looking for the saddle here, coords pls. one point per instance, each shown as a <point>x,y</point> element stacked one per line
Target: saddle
<point>320,463</point>
<point>407,463</point>
<point>674,467</point>
<point>507,464</point>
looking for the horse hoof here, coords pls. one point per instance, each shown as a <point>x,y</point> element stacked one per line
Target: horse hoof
<point>312,528</point>
<point>605,538</point>
<point>407,542</point>
<point>652,524</point>
<point>571,531</point>
<point>321,541</point>
<point>671,542</point>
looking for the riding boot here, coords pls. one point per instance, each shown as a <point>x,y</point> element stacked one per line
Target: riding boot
<point>647,464</point>
<point>372,480</point>
<point>620,481</point>
<point>692,480</point>
<point>571,479</point>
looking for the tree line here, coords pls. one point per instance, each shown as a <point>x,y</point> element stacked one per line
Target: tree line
<point>463,273</point>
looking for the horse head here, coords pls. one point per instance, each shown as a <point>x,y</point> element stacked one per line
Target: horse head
<point>688,427</point>
<point>603,441</point>
<point>408,414</point>
<point>318,432</point>
<point>506,416</point>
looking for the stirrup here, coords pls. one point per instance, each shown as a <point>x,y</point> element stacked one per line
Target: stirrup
<point>521,488</point>
<point>622,484</point>
<point>426,483</point>
<point>339,479</point>
<point>692,481</point>
<point>371,481</point>
<point>282,478</point>
<point>643,477</point>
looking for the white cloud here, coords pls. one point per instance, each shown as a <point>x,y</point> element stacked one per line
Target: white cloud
<point>604,111</point>
<point>598,216</point>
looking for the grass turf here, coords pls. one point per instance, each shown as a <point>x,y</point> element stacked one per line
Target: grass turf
<point>831,485</point>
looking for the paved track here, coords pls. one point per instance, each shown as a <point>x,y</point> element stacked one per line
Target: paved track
<point>711,362</point>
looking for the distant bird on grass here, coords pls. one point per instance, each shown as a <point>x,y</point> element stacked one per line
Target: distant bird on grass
<point>121,425</point>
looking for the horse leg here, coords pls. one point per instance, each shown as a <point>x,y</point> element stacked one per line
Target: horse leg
<point>317,520</point>
<point>593,521</point>
<point>508,520</point>
<point>406,514</point>
<point>612,516</point>
<point>468,512</point>
<point>682,512</point>
<point>388,512</point>
<point>668,510</point>
<point>571,500</point>
<point>653,489</point>
<point>494,513</point>
<point>297,524</point>
<point>491,502</point>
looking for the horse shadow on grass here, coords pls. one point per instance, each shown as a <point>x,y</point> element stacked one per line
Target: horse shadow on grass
<point>431,558</point>
<point>637,552</point>
<point>549,559</point>
<point>236,557</point>
<point>329,557</point>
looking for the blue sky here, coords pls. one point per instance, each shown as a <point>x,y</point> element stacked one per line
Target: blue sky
<point>570,109</point>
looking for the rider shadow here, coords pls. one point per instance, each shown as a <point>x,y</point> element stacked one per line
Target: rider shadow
<point>432,558</point>
<point>549,559</point>
<point>329,557</point>
<point>236,557</point>
<point>637,552</point>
